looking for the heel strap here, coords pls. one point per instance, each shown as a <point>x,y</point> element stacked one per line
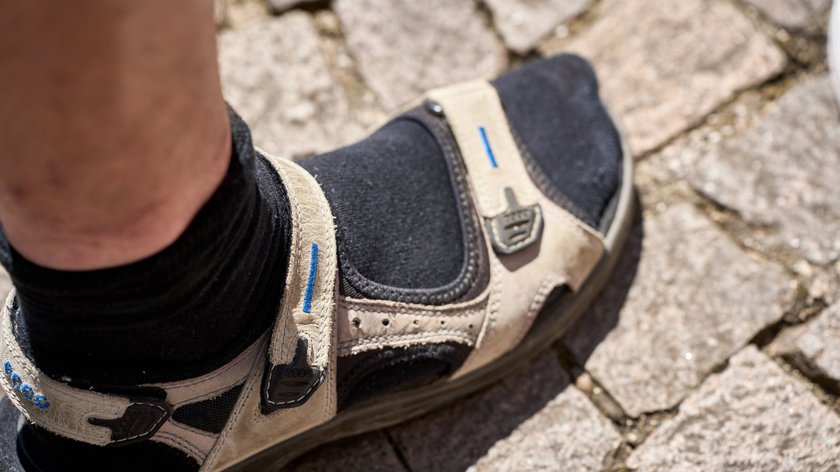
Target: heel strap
<point>295,389</point>
<point>96,418</point>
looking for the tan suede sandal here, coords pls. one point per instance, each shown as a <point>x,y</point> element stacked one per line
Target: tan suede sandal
<point>541,267</point>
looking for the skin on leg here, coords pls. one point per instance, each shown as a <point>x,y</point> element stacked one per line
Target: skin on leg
<point>113,129</point>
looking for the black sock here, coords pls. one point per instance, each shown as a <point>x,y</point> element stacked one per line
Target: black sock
<point>179,313</point>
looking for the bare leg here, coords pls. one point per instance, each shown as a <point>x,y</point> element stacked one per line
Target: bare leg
<point>114,128</point>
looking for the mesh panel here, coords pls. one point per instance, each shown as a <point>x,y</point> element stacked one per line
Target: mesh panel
<point>209,415</point>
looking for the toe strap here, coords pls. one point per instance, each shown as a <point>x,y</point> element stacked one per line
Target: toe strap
<point>504,194</point>
<point>537,244</point>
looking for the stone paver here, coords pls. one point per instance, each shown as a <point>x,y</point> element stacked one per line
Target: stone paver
<point>522,23</point>
<point>283,5</point>
<point>275,75</point>
<point>695,299</point>
<point>793,14</point>
<point>568,431</point>
<point>665,65</point>
<point>236,13</point>
<point>369,453</point>
<point>219,12</point>
<point>752,416</point>
<point>684,298</point>
<point>5,284</point>
<point>782,176</point>
<point>533,419</point>
<point>409,46</point>
<point>820,343</point>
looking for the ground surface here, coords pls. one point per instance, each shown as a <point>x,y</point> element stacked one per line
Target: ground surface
<point>717,344</point>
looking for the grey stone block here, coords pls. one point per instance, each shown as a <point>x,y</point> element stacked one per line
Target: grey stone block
<point>792,14</point>
<point>692,301</point>
<point>665,65</point>
<point>781,176</point>
<point>523,23</point>
<point>275,75</point>
<point>532,418</point>
<point>752,416</point>
<point>404,47</point>
<point>365,453</point>
<point>568,432</point>
<point>820,343</point>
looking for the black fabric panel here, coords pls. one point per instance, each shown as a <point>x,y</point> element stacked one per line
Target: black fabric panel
<point>209,415</point>
<point>554,110</point>
<point>395,206</point>
<point>179,313</point>
<point>42,451</point>
<point>371,374</point>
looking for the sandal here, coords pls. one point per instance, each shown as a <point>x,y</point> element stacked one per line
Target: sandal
<point>347,354</point>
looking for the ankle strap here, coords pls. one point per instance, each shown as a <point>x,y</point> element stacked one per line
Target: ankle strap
<point>295,390</point>
<point>96,418</point>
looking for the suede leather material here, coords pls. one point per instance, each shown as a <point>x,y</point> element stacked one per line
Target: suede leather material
<point>565,255</point>
<point>192,442</point>
<point>312,222</point>
<point>365,325</point>
<point>250,429</point>
<point>472,108</point>
<point>215,383</point>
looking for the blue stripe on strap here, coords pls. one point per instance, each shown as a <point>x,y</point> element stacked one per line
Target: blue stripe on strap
<point>310,283</point>
<point>487,147</point>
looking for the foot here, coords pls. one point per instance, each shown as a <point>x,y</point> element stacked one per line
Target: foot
<point>425,261</point>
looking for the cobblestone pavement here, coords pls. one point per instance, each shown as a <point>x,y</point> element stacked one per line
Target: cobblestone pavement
<point>717,343</point>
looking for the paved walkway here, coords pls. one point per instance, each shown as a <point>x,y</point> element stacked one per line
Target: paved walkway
<point>717,344</point>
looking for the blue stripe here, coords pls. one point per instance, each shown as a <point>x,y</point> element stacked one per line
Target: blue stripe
<point>310,284</point>
<point>487,147</point>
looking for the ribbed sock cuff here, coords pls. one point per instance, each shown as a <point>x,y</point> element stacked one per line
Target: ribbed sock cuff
<point>179,313</point>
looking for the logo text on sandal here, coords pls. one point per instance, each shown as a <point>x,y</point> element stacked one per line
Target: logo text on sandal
<point>26,390</point>
<point>516,227</point>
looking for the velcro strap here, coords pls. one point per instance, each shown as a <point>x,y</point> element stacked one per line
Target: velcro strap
<point>92,417</point>
<point>504,192</point>
<point>301,349</point>
<point>296,390</point>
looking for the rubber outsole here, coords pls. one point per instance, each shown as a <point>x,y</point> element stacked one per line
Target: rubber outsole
<point>560,315</point>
